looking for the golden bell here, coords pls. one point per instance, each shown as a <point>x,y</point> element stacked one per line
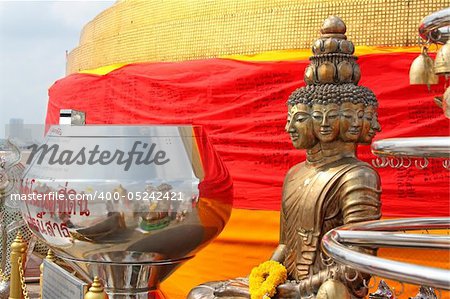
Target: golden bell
<point>422,70</point>
<point>333,289</point>
<point>442,60</point>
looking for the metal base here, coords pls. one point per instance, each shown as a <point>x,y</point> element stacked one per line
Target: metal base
<point>128,281</point>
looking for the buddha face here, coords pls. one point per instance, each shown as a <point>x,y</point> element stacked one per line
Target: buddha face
<point>299,126</point>
<point>351,121</point>
<point>326,122</point>
<point>370,125</point>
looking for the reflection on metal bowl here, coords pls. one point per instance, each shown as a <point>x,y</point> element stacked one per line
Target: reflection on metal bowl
<point>126,203</point>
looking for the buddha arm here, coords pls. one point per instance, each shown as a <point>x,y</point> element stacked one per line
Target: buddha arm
<point>279,254</point>
<point>359,200</point>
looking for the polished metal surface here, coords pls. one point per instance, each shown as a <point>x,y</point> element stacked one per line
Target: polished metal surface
<point>339,249</point>
<point>388,239</point>
<point>134,215</point>
<point>435,27</point>
<point>407,224</point>
<point>420,147</point>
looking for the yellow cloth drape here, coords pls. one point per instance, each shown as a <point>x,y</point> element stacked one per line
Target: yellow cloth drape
<point>281,55</point>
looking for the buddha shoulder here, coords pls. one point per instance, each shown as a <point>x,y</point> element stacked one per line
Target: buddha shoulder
<point>363,174</point>
<point>293,171</point>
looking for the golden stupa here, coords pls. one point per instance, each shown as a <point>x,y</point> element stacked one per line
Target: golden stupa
<point>174,30</point>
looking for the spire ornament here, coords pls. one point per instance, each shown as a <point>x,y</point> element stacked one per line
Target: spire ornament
<point>333,61</point>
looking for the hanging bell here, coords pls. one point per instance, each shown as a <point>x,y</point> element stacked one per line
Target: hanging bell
<point>422,70</point>
<point>442,60</point>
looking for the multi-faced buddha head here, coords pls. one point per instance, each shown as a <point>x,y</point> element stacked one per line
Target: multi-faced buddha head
<point>327,113</point>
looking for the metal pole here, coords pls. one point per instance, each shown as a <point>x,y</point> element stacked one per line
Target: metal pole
<point>388,239</point>
<point>368,234</point>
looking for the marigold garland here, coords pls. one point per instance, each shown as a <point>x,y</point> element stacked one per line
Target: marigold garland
<point>265,278</point>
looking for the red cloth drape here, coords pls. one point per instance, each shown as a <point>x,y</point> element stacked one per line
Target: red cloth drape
<point>242,107</point>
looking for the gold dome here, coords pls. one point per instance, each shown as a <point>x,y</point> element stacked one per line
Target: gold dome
<point>155,30</point>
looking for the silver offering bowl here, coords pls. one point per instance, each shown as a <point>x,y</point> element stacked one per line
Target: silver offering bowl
<point>129,204</point>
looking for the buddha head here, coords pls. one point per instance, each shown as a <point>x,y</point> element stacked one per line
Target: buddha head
<point>326,121</point>
<point>370,119</point>
<point>299,122</point>
<point>353,103</point>
<point>351,119</point>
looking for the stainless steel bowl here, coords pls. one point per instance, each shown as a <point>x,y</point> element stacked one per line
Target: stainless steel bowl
<point>147,200</point>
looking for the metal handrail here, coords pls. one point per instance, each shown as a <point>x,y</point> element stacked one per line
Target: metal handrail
<point>337,241</point>
<point>435,27</point>
<point>418,147</point>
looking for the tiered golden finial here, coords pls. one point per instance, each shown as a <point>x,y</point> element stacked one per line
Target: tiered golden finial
<point>96,290</point>
<point>333,61</point>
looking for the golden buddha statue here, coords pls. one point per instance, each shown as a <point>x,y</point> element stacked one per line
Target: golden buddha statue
<point>328,117</point>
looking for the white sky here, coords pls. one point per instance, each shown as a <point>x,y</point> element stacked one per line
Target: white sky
<point>34,37</point>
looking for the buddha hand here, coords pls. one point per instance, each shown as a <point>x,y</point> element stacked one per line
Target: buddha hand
<point>288,290</point>
<point>237,287</point>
